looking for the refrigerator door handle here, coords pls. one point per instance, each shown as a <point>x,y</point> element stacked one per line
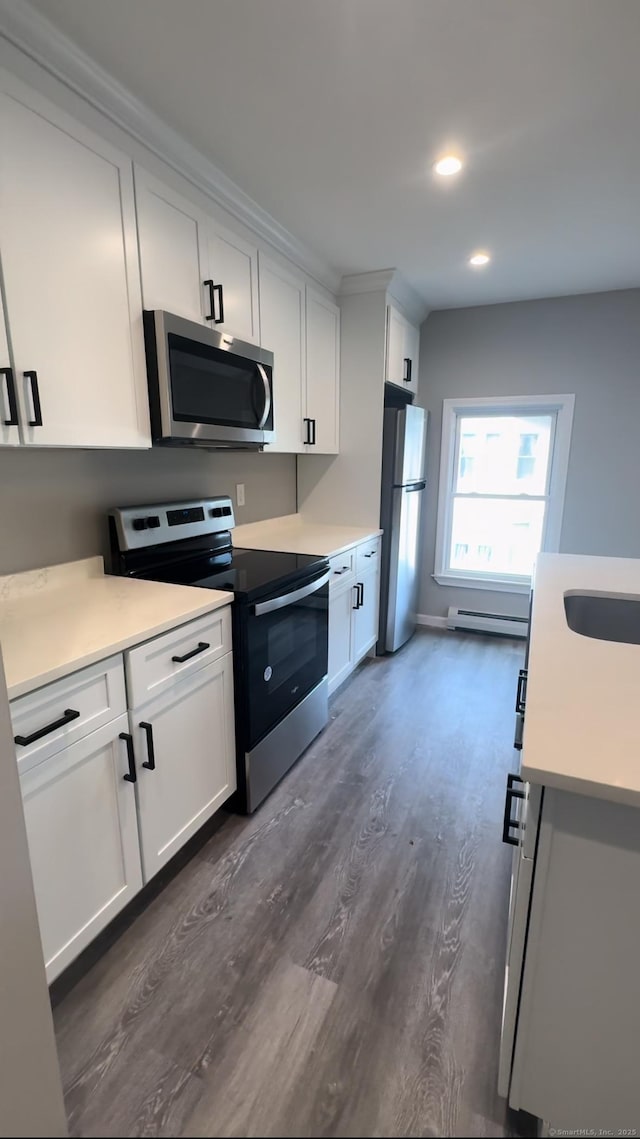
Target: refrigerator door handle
<point>413,486</point>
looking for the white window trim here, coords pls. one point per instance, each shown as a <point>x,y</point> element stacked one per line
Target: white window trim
<point>562,407</point>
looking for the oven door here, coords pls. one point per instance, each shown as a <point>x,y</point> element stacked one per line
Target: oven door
<point>286,653</point>
<point>205,386</point>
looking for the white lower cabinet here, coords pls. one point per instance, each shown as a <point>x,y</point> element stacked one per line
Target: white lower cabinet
<point>341,659</point>
<point>106,806</point>
<point>82,829</point>
<point>365,618</point>
<point>186,764</point>
<point>353,610</point>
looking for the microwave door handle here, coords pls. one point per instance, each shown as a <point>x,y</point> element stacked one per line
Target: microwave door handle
<point>290,598</point>
<point>267,395</point>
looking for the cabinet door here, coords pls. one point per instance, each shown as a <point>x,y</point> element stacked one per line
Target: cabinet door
<point>396,369</point>
<point>233,265</point>
<point>412,354</point>
<point>9,431</point>
<point>365,619</point>
<point>341,611</point>
<point>192,730</point>
<point>83,841</point>
<point>282,303</point>
<point>323,372</point>
<point>71,278</point>
<point>172,235</point>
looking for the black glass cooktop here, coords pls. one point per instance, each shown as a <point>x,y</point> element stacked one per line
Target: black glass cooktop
<point>250,574</point>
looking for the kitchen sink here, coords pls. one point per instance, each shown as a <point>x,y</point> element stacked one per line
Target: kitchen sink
<point>604,617</point>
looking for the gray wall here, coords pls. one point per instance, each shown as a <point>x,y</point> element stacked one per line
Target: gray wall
<point>586,345</point>
<point>53,503</point>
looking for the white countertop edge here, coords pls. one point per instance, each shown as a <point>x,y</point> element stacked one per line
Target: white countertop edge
<point>576,786</point>
<point>295,534</point>
<point>35,681</point>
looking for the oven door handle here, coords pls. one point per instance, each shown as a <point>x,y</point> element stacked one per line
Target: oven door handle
<point>267,395</point>
<point>290,598</point>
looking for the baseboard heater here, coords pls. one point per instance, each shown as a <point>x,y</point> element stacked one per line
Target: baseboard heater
<point>498,623</point>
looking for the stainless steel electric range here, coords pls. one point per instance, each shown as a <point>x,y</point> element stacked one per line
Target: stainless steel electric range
<point>280,625</point>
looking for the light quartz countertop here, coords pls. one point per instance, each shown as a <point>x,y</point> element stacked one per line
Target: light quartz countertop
<point>293,534</point>
<point>581,730</point>
<point>56,620</point>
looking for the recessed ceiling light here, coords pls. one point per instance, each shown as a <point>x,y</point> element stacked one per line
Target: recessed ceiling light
<point>448,165</point>
<point>478,259</point>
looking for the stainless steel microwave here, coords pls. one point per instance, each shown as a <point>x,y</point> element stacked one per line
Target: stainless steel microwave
<point>206,388</point>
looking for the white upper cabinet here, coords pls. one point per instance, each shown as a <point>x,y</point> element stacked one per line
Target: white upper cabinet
<point>71,278</point>
<point>412,353</point>
<point>173,249</point>
<point>191,265</point>
<point>233,272</point>
<point>403,342</point>
<point>323,373</point>
<point>282,329</point>
<point>9,431</point>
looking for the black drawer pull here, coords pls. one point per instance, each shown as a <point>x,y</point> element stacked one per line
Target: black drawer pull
<point>131,776</point>
<point>35,396</point>
<point>69,715</point>
<point>12,421</point>
<point>200,648</point>
<point>521,693</point>
<point>509,823</point>
<point>406,379</point>
<point>149,763</point>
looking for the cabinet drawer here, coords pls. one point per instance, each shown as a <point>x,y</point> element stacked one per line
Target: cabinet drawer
<point>94,695</point>
<point>152,667</point>
<point>368,557</point>
<point>343,569</point>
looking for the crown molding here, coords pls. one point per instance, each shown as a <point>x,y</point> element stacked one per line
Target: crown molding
<point>39,39</point>
<point>391,281</point>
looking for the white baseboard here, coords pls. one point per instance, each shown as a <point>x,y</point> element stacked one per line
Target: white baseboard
<point>432,622</point>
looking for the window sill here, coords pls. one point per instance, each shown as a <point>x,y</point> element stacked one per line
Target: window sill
<point>497,585</point>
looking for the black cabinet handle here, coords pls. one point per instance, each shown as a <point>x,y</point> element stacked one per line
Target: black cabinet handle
<point>131,776</point>
<point>200,648</point>
<point>509,823</point>
<point>408,364</point>
<point>359,588</point>
<point>213,289</point>
<point>69,715</point>
<point>361,585</point>
<point>357,604</point>
<point>307,430</point>
<point>313,431</point>
<point>12,421</point>
<point>517,739</point>
<point>35,396</point>
<point>521,693</point>
<point>149,763</point>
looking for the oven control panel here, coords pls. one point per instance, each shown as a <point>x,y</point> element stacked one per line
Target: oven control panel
<point>140,526</point>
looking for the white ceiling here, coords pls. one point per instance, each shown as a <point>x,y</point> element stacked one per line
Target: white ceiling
<point>330,112</point>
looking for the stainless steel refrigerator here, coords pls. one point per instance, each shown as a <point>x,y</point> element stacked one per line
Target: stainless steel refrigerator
<point>403,487</point>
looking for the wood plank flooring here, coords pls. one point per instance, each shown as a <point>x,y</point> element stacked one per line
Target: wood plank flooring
<point>333,965</point>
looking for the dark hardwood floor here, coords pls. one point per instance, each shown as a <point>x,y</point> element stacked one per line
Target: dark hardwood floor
<point>333,965</point>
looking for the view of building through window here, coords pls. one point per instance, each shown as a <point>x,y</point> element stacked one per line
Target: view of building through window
<point>501,482</point>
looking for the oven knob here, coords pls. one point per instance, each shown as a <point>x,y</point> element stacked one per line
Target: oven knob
<point>139,523</point>
<point>216,512</point>
<point>153,522</point>
<point>226,510</point>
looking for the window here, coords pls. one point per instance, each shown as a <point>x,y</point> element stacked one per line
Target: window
<point>502,477</point>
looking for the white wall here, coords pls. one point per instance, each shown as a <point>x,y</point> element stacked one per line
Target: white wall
<point>587,345</point>
<point>30,1088</point>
